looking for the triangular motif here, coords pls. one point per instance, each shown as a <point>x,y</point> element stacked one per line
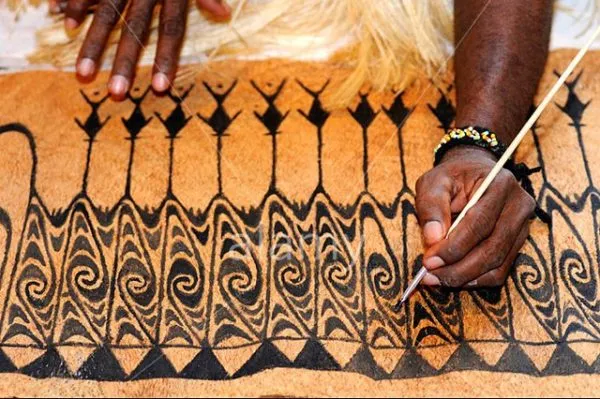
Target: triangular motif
<point>129,358</point>
<point>233,359</point>
<point>180,357</point>
<point>291,348</point>
<point>75,356</point>
<point>22,356</point>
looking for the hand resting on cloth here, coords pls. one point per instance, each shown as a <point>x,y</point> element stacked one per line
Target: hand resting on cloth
<point>501,50</point>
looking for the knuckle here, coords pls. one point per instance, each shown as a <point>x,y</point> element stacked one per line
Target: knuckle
<point>91,49</point>
<point>172,27</point>
<point>136,26</point>
<point>477,230</point>
<point>124,65</point>
<point>427,181</point>
<point>481,218</point>
<point>76,7</point>
<point>497,243</point>
<point>452,251</point>
<point>164,63</point>
<point>497,277</point>
<point>506,178</point>
<point>106,15</point>
<point>496,258</point>
<point>451,281</point>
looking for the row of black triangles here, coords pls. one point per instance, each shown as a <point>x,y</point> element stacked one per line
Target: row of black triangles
<point>103,366</point>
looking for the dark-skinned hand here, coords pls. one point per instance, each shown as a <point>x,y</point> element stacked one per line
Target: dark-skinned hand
<point>173,17</point>
<point>481,250</point>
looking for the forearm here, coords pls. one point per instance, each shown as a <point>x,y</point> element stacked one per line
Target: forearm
<point>499,60</point>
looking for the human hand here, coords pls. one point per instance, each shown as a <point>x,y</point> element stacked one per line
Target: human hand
<point>483,247</point>
<point>173,17</point>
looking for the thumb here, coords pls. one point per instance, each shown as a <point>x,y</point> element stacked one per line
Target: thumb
<point>433,208</point>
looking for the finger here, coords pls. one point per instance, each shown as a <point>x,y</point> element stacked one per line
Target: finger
<point>133,35</point>
<point>431,280</point>
<point>477,225</point>
<point>57,6</point>
<point>492,252</point>
<point>75,12</point>
<point>219,8</point>
<point>497,277</point>
<point>433,206</point>
<point>105,18</point>
<point>171,30</point>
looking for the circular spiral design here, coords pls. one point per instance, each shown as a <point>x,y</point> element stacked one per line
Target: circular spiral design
<point>383,280</point>
<point>577,275</point>
<point>185,283</point>
<point>292,276</point>
<point>37,287</point>
<point>339,274</point>
<point>533,278</point>
<point>240,281</point>
<point>138,281</point>
<point>85,277</point>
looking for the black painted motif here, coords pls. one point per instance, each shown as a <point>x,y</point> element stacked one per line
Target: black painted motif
<point>216,292</point>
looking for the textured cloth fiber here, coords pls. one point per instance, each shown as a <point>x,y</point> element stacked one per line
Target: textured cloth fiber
<point>237,229</point>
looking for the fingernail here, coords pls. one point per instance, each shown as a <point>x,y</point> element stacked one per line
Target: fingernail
<point>71,24</point>
<point>434,262</point>
<point>226,8</point>
<point>118,85</point>
<point>431,280</point>
<point>86,67</point>
<point>160,82</point>
<point>472,284</point>
<point>433,232</point>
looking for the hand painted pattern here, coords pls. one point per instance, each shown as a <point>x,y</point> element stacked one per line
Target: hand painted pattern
<point>225,291</point>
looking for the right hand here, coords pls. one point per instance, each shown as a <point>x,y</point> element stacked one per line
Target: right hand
<point>482,249</point>
<point>173,17</point>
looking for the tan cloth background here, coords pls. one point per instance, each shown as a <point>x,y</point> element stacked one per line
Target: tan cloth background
<point>134,248</point>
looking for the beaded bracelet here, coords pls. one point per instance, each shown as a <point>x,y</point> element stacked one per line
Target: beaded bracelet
<point>470,135</point>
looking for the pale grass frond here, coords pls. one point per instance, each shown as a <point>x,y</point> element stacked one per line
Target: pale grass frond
<point>386,43</point>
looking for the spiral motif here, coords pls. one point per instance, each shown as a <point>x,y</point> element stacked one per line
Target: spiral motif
<point>38,289</point>
<point>384,281</point>
<point>84,276</point>
<point>239,280</point>
<point>185,283</point>
<point>575,272</point>
<point>339,274</point>
<point>533,278</point>
<point>138,281</point>
<point>292,276</point>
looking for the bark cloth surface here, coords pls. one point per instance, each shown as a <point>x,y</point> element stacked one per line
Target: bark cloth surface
<point>236,238</point>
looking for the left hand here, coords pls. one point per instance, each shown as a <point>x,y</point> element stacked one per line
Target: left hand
<point>137,21</point>
<point>481,250</point>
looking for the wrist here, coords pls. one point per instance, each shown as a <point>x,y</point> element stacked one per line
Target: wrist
<point>467,151</point>
<point>469,138</point>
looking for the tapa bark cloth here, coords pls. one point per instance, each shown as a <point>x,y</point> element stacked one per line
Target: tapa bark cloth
<point>245,228</point>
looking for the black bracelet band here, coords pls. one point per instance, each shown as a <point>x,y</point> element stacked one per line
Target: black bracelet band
<point>470,135</point>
